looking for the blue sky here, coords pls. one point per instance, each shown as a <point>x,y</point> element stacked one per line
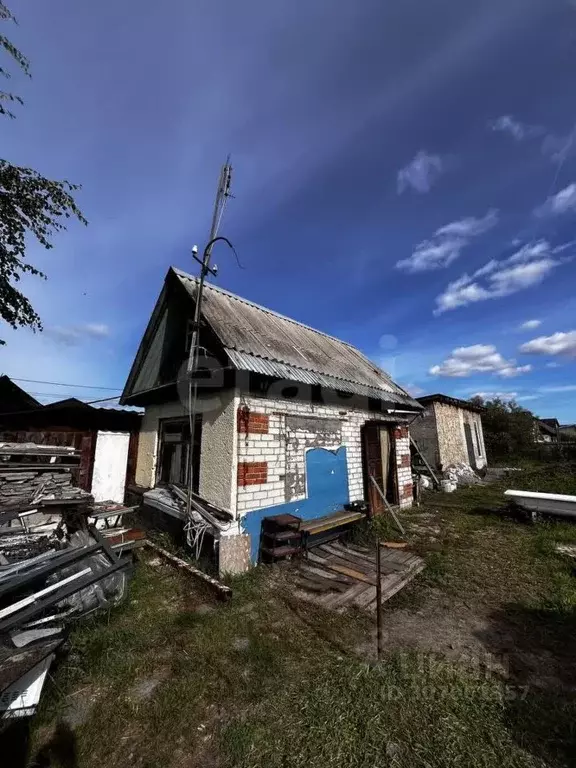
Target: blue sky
<point>404,178</point>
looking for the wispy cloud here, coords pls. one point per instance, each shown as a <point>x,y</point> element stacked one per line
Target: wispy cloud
<point>559,148</point>
<point>421,173</point>
<point>478,358</point>
<point>559,388</point>
<point>529,325</point>
<point>558,204</point>
<point>76,334</point>
<point>515,128</point>
<point>561,343</point>
<point>493,395</point>
<point>498,278</point>
<point>447,243</point>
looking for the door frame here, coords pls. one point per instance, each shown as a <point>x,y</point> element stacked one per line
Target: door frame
<point>392,496</point>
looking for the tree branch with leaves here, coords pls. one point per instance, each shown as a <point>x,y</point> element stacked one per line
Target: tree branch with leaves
<point>29,204</point>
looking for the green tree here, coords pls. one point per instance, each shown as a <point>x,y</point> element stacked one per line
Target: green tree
<point>29,204</point>
<point>508,428</point>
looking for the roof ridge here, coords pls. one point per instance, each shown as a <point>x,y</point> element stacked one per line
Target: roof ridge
<point>181,273</point>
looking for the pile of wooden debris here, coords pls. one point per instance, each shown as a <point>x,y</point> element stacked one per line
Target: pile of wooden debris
<point>62,557</point>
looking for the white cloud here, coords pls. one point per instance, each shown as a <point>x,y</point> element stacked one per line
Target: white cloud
<point>559,148</point>
<point>553,364</point>
<point>529,325</point>
<point>559,388</point>
<point>519,131</point>
<point>96,329</point>
<point>525,268</point>
<point>414,390</point>
<point>76,334</point>
<point>492,395</point>
<point>478,358</point>
<point>446,244</point>
<point>558,204</point>
<point>421,173</point>
<point>557,344</point>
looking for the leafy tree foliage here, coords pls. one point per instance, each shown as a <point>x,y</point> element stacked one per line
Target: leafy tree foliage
<point>508,428</point>
<point>29,204</point>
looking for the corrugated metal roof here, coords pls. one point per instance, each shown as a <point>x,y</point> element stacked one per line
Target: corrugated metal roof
<point>261,340</point>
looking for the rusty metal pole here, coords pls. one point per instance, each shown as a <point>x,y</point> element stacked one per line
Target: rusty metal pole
<point>378,601</point>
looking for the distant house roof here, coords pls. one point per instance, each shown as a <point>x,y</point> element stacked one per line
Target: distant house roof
<point>259,340</point>
<point>544,425</point>
<point>13,398</point>
<point>447,400</point>
<point>72,413</point>
<point>554,423</point>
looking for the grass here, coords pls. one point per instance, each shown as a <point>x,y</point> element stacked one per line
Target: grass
<point>266,681</point>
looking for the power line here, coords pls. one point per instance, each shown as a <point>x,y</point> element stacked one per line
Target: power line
<point>61,395</point>
<point>60,384</point>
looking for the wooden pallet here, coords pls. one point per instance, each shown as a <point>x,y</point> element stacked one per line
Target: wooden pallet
<point>339,576</point>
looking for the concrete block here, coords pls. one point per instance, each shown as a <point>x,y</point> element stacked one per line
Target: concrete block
<point>234,554</point>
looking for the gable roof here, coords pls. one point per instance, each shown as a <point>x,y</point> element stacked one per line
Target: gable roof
<point>447,400</point>
<point>553,423</point>
<point>545,426</point>
<point>259,340</point>
<point>14,398</point>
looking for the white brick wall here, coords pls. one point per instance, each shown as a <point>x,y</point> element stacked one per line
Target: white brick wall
<point>273,449</point>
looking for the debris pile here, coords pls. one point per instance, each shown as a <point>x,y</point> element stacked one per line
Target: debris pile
<point>461,474</point>
<point>28,470</point>
<point>62,557</point>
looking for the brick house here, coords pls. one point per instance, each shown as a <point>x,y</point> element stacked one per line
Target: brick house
<point>288,419</point>
<point>449,431</point>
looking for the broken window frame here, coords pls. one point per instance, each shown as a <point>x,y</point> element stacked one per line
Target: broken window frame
<point>178,475</point>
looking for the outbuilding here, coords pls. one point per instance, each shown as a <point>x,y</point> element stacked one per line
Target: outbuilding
<point>449,431</point>
<point>288,420</point>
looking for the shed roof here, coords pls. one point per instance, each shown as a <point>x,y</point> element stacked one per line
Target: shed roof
<point>263,341</point>
<point>447,400</point>
<point>14,398</point>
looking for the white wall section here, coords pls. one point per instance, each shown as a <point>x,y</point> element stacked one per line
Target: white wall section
<point>110,460</point>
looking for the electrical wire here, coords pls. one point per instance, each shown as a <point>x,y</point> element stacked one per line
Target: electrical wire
<point>62,384</point>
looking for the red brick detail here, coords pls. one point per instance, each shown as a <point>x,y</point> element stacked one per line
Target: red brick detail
<point>406,492</point>
<point>252,472</point>
<point>252,423</point>
<point>400,432</point>
<point>405,460</point>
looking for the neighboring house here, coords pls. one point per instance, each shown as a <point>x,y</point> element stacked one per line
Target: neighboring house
<point>289,419</point>
<point>13,398</point>
<point>450,432</point>
<point>568,432</point>
<point>546,430</point>
<point>107,439</point>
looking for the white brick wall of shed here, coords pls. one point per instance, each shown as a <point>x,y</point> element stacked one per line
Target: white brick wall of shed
<point>275,449</point>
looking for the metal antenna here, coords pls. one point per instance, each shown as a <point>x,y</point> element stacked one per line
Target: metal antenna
<point>222,195</point>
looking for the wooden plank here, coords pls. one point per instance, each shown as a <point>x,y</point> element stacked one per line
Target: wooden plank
<point>339,568</point>
<point>358,575</point>
<point>365,598</point>
<point>364,564</point>
<point>320,585</point>
<point>429,468</point>
<point>332,521</point>
<point>345,598</point>
<point>396,584</point>
<point>313,570</point>
<point>346,565</point>
<point>350,553</point>
<point>223,591</point>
